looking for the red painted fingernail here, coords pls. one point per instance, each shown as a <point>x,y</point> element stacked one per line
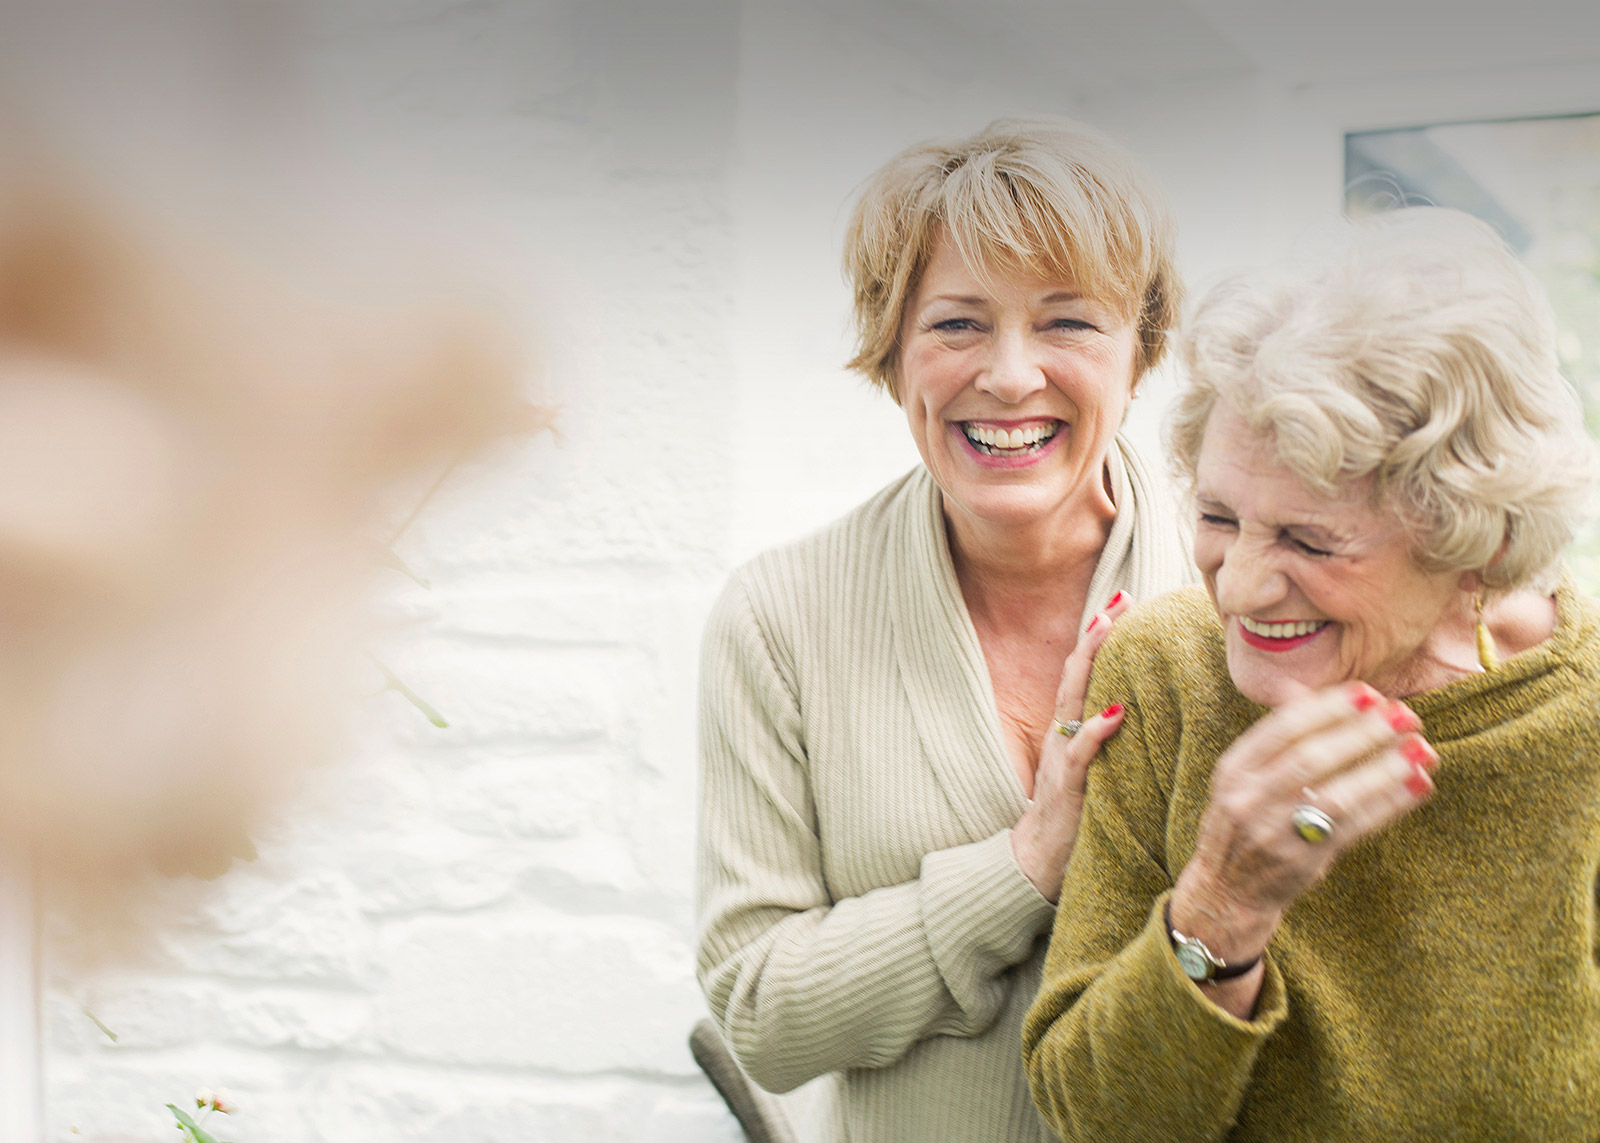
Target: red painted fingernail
<point>1418,784</point>
<point>1419,753</point>
<point>1112,711</point>
<point>1402,718</point>
<point>1116,599</point>
<point>1363,697</point>
<point>1095,622</point>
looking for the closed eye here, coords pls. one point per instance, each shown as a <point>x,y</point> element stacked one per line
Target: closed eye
<point>1309,549</point>
<point>1215,520</point>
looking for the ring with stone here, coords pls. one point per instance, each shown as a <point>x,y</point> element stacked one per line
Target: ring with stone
<point>1311,824</point>
<point>1069,728</point>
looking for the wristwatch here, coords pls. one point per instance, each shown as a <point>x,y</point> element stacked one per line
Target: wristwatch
<point>1199,963</point>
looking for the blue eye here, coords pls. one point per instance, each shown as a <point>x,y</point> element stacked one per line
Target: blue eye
<point>955,325</point>
<point>1071,323</point>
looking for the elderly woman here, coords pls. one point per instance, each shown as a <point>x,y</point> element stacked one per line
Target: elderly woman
<point>1337,872</point>
<point>886,809</point>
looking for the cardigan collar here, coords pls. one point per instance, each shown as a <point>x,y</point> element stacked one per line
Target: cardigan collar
<point>936,646</point>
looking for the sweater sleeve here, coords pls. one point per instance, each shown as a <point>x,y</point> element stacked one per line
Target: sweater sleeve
<point>1120,1044</point>
<point>802,984</point>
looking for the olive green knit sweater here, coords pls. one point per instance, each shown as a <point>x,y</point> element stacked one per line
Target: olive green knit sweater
<point>1443,981</point>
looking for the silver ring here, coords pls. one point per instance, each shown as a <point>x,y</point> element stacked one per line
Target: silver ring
<point>1069,728</point>
<point>1311,824</point>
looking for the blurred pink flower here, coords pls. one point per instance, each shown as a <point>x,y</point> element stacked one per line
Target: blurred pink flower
<point>220,1100</point>
<point>193,458</point>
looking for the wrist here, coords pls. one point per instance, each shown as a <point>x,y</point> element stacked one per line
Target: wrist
<point>1034,863</point>
<point>1234,931</point>
<point>1197,960</point>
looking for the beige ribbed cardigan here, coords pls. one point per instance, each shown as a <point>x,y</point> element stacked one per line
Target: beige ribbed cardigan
<point>861,911</point>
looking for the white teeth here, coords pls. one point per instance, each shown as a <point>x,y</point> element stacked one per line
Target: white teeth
<point>1282,630</point>
<point>987,438</point>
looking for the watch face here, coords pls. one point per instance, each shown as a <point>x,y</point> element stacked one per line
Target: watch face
<point>1193,962</point>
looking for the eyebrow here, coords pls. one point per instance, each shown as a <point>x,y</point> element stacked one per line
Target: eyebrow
<point>1054,298</point>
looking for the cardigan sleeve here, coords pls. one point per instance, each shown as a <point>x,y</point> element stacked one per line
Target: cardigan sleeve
<point>1119,1043</point>
<point>802,984</point>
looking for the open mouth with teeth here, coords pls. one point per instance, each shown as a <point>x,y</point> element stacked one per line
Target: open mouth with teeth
<point>1280,636</point>
<point>998,441</point>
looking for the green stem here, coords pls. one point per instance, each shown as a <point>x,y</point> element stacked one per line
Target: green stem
<point>393,683</point>
<point>389,558</point>
<point>438,482</point>
<point>110,1035</point>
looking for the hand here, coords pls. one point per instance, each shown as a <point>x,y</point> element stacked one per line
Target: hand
<point>1043,837</point>
<point>1346,751</point>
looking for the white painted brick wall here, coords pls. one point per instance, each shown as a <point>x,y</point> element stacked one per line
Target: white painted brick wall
<point>486,932</point>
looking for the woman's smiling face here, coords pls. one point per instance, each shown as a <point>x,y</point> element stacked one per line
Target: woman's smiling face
<point>1311,590</point>
<point>1014,387</point>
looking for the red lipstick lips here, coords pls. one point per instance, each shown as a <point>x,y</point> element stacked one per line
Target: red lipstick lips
<point>1267,643</point>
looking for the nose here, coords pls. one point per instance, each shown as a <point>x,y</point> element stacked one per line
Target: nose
<point>1248,580</point>
<point>1012,371</point>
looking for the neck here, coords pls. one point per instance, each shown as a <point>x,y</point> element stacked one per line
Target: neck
<point>1516,623</point>
<point>1014,574</point>
<point>1450,653</point>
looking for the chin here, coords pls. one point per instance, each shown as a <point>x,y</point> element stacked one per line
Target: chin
<point>1267,694</point>
<point>1263,685</point>
<point>1017,504</point>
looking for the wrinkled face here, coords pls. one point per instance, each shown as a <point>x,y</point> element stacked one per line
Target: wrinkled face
<point>1311,590</point>
<point>1014,388</point>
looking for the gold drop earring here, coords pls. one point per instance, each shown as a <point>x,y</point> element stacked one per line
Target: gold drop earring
<point>1486,653</point>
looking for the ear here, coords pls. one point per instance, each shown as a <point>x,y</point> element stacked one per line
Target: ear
<point>1472,582</point>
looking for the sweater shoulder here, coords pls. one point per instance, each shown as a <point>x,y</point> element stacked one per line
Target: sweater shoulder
<point>1167,660</point>
<point>1584,657</point>
<point>1174,637</point>
<point>788,597</point>
<point>817,568</point>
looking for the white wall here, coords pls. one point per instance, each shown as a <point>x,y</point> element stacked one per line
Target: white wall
<point>827,93</point>
<point>487,932</point>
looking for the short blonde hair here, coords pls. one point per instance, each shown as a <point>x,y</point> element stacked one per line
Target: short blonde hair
<point>1423,356</point>
<point>1046,197</point>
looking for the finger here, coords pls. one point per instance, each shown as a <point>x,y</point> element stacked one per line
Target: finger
<point>1277,732</point>
<point>1319,755</point>
<point>1369,797</point>
<point>1067,759</point>
<point>1119,605</point>
<point>1075,673</point>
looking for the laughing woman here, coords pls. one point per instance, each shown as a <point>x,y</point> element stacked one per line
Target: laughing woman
<point>886,805</point>
<point>1337,872</point>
